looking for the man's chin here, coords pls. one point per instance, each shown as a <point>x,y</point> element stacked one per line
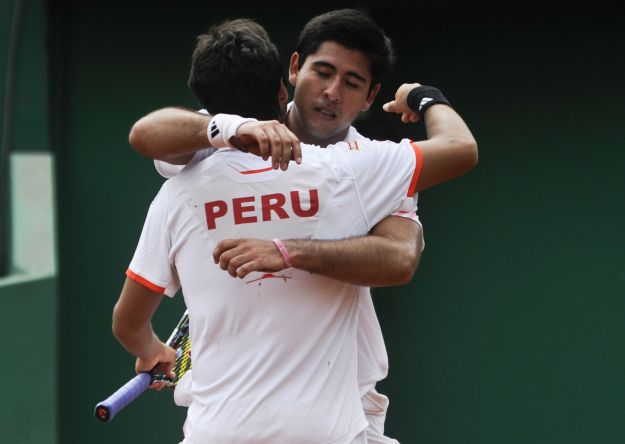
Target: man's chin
<point>327,136</point>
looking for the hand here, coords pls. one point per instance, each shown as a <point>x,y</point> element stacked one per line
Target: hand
<point>242,256</point>
<point>270,138</point>
<point>163,360</point>
<point>400,104</point>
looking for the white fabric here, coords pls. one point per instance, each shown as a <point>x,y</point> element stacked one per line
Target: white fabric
<point>360,439</point>
<point>168,170</point>
<point>223,127</point>
<point>375,406</point>
<point>274,356</point>
<point>182,393</point>
<point>372,356</point>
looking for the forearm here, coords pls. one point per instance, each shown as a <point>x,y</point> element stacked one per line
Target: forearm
<point>132,319</point>
<point>355,260</point>
<point>170,134</point>
<point>140,341</point>
<point>388,256</point>
<point>450,149</point>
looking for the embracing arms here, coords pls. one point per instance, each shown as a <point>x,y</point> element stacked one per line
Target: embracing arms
<point>174,135</point>
<point>389,255</point>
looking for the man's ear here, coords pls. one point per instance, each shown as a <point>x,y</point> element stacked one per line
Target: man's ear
<point>293,68</point>
<point>371,97</point>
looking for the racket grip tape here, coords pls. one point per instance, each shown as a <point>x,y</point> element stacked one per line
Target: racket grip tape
<point>107,409</point>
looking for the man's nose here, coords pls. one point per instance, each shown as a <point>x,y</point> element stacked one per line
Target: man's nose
<point>333,89</point>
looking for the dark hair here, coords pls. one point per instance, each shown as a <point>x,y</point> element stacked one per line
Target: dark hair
<point>236,69</point>
<point>354,30</point>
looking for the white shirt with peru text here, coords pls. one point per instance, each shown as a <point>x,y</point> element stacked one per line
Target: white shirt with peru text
<point>274,354</point>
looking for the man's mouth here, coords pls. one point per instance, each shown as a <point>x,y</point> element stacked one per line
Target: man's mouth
<point>325,112</point>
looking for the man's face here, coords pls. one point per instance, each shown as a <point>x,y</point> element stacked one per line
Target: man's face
<point>331,89</point>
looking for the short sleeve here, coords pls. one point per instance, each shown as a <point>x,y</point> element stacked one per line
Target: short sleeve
<point>168,170</point>
<point>413,216</point>
<point>409,208</point>
<point>386,174</point>
<point>151,264</point>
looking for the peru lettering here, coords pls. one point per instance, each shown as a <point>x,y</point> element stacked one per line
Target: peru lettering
<point>265,208</point>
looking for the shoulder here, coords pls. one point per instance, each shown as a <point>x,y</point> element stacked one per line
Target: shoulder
<point>162,196</point>
<point>373,147</point>
<point>353,134</point>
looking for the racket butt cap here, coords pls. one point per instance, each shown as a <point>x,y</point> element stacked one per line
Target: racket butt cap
<point>101,413</point>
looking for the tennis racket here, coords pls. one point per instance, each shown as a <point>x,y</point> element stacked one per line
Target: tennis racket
<point>178,340</point>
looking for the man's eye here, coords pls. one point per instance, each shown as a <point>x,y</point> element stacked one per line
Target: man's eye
<point>352,85</point>
<point>323,74</point>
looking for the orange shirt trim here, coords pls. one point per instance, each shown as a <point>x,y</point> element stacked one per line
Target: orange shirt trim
<point>135,277</point>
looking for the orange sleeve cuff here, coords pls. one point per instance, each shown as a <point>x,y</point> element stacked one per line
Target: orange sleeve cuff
<point>417,170</point>
<point>135,277</point>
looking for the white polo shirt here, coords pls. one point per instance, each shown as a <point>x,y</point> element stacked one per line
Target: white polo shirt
<point>372,355</point>
<point>274,355</point>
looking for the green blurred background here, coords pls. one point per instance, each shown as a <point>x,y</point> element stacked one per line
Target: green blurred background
<point>512,330</point>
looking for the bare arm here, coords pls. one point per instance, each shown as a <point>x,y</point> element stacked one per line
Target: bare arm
<point>388,256</point>
<point>170,134</point>
<point>132,327</point>
<point>174,135</point>
<point>450,149</point>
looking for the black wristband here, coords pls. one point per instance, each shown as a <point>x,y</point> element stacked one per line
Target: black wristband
<point>422,97</point>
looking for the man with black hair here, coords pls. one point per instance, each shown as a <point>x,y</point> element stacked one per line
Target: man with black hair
<point>335,76</point>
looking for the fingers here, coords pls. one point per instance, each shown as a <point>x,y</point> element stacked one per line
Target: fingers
<point>162,364</point>
<point>239,263</point>
<point>283,147</point>
<point>239,257</point>
<point>166,365</point>
<point>276,147</point>
<point>225,253</point>
<point>410,117</point>
<point>233,264</point>
<point>270,139</point>
<point>222,247</point>
<point>169,365</point>
<point>290,147</point>
<point>160,383</point>
<point>400,104</point>
<point>407,115</point>
<point>390,107</point>
<point>157,385</point>
<point>245,269</point>
<point>251,265</point>
<point>263,143</point>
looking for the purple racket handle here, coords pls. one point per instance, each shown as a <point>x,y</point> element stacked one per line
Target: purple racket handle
<point>107,409</point>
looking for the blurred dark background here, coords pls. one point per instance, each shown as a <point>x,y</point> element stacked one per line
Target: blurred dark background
<point>511,331</point>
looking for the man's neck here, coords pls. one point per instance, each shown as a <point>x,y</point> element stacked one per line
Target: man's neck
<point>293,123</point>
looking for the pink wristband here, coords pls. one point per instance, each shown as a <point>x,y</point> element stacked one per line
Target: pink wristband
<point>283,252</point>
